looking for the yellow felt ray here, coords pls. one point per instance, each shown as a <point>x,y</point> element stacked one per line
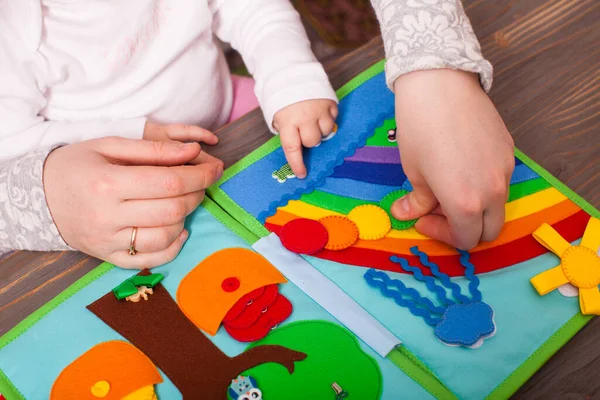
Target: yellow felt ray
<point>591,236</point>
<point>549,280</point>
<point>551,239</point>
<point>589,300</point>
<point>533,203</point>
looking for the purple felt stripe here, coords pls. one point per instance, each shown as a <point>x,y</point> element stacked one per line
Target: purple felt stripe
<point>376,154</point>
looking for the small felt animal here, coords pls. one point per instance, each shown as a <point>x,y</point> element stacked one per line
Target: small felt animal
<point>284,173</point>
<point>244,388</point>
<point>392,135</point>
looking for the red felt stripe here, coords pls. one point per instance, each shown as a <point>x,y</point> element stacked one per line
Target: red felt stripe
<point>488,260</point>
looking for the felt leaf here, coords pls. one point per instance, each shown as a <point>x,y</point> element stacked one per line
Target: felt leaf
<point>111,370</point>
<point>253,309</point>
<point>202,296</point>
<point>194,364</point>
<point>271,316</point>
<point>342,232</point>
<point>303,236</point>
<point>466,324</point>
<point>333,355</point>
<point>373,222</point>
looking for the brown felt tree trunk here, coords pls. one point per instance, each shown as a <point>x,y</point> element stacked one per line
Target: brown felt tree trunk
<point>199,369</point>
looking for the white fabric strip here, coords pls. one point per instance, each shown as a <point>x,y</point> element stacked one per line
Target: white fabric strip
<point>328,295</point>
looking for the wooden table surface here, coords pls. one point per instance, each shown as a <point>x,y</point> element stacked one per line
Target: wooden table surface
<point>546,56</point>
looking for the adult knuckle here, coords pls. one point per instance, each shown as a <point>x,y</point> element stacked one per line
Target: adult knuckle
<point>173,184</point>
<point>469,205</point>
<point>175,212</point>
<point>498,186</point>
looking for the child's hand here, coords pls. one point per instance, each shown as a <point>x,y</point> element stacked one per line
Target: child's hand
<point>182,133</point>
<point>304,124</point>
<point>98,190</point>
<point>458,155</point>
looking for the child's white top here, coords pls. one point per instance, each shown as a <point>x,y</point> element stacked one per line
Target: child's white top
<point>72,70</point>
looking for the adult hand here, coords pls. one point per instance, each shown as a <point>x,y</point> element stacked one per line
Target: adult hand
<point>98,190</point>
<point>458,155</point>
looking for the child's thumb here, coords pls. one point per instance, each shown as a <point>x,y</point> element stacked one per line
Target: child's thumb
<point>416,204</point>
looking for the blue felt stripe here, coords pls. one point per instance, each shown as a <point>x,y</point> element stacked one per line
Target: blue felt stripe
<point>380,174</point>
<point>522,173</point>
<point>357,189</point>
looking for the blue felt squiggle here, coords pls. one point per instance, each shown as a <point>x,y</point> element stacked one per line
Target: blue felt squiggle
<point>429,281</point>
<point>470,275</point>
<point>445,279</point>
<point>382,281</point>
<point>402,288</point>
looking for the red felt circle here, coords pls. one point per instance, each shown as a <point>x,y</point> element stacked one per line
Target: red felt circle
<point>230,284</point>
<point>304,236</point>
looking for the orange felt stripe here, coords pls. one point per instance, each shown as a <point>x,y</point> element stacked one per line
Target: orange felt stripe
<point>122,365</point>
<point>511,231</point>
<point>204,298</point>
<point>281,217</point>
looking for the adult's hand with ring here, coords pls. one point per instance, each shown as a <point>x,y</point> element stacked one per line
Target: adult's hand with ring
<point>99,189</point>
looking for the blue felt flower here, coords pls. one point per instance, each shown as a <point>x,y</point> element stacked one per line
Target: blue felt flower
<point>466,324</point>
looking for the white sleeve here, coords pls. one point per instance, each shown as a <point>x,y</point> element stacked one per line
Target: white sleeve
<point>273,43</point>
<point>24,76</point>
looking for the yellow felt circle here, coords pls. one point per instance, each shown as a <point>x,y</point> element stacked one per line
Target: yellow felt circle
<point>100,389</point>
<point>581,266</point>
<point>373,222</point>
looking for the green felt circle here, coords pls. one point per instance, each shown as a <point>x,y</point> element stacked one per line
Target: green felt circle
<point>333,355</point>
<point>386,204</point>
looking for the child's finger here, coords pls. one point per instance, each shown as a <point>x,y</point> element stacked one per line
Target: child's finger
<point>149,260</point>
<point>191,133</point>
<point>310,134</point>
<point>292,147</point>
<point>327,125</point>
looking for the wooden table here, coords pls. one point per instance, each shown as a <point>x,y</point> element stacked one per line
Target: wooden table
<point>546,56</point>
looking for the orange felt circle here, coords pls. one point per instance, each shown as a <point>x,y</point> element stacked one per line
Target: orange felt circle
<point>201,295</point>
<point>120,364</point>
<point>343,233</point>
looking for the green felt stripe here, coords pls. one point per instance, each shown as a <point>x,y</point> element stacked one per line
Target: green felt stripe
<point>333,202</point>
<point>380,136</point>
<point>526,188</point>
<point>8,390</point>
<point>418,372</point>
<point>229,221</point>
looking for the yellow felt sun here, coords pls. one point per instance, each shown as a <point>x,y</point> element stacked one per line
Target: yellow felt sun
<point>579,265</point>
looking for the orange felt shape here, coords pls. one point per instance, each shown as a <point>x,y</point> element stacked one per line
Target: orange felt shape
<point>212,288</point>
<point>117,367</point>
<point>343,233</point>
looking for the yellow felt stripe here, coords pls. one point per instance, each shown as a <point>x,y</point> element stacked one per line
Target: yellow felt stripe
<point>549,280</point>
<point>589,301</point>
<point>514,210</point>
<point>533,203</point>
<point>305,210</point>
<point>551,239</point>
<point>591,236</point>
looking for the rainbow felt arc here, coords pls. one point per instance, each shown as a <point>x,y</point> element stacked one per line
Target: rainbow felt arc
<point>532,202</point>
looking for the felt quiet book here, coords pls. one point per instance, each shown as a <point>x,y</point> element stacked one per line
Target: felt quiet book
<point>310,289</point>
<point>469,324</point>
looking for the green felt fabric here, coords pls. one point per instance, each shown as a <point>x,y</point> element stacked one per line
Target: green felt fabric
<point>386,204</point>
<point>333,202</point>
<point>526,188</point>
<point>333,355</point>
<point>380,138</point>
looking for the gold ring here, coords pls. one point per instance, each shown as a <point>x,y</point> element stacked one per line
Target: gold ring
<point>132,250</point>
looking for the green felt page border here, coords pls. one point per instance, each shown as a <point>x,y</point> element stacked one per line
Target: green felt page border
<point>6,387</point>
<point>403,358</point>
